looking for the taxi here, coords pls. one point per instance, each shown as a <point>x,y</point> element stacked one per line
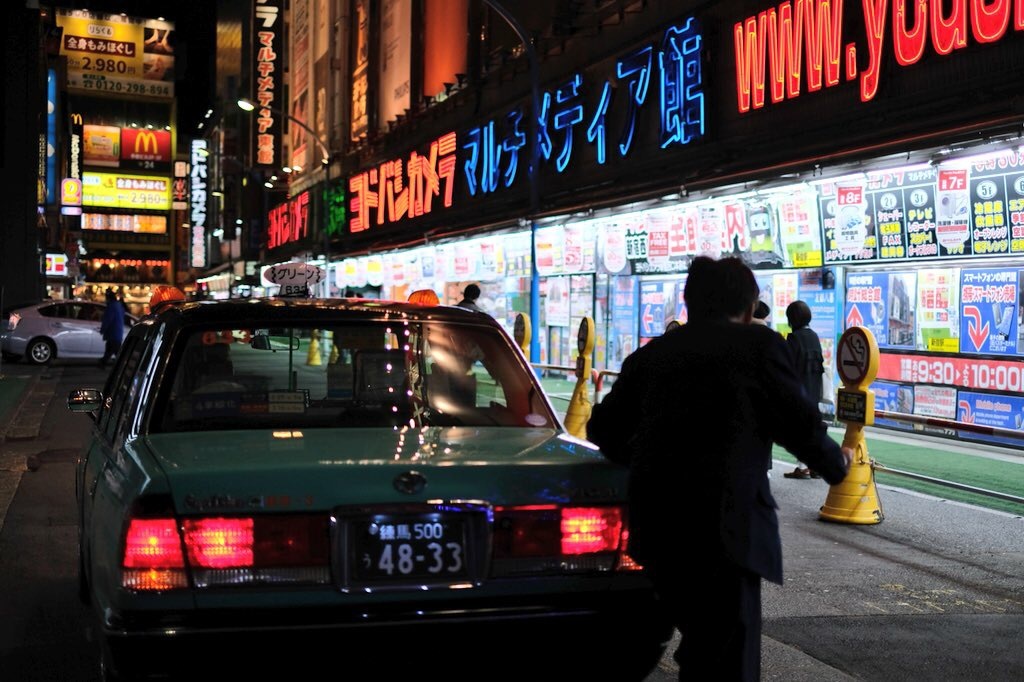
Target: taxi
<point>366,483</point>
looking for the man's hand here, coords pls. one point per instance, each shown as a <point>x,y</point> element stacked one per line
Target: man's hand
<point>848,455</point>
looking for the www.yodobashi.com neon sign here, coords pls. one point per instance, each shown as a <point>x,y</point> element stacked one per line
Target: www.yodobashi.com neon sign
<point>776,48</point>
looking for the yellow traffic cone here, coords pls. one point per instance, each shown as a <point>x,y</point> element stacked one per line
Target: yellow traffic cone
<point>313,357</point>
<point>855,499</point>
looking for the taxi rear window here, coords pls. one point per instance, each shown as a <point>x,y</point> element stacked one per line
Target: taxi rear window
<point>350,375</point>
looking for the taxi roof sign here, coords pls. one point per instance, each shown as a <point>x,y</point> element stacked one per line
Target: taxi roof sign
<point>295,279</point>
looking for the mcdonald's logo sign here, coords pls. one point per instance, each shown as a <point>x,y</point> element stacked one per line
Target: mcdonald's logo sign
<point>145,147</point>
<point>76,119</point>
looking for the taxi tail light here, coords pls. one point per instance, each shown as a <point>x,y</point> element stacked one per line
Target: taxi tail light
<point>280,549</point>
<point>285,549</point>
<point>546,538</point>
<point>153,558</point>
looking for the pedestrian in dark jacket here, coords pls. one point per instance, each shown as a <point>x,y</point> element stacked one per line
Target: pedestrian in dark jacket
<point>694,414</point>
<point>112,327</point>
<point>808,360</point>
<point>469,297</point>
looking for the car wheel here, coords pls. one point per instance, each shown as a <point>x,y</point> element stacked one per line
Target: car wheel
<point>40,351</point>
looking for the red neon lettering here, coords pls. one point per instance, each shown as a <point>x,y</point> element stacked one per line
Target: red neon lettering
<point>990,19</point>
<point>1019,13</point>
<point>785,50</point>
<point>908,43</point>
<point>749,38</point>
<point>823,34</point>
<point>950,33</point>
<point>874,24</point>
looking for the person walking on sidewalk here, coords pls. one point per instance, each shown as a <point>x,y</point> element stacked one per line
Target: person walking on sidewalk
<point>469,297</point>
<point>694,413</point>
<point>809,363</point>
<point>112,327</point>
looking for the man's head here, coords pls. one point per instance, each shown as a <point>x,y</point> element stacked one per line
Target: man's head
<point>472,292</point>
<point>111,296</point>
<point>722,289</point>
<point>798,314</point>
<point>761,312</point>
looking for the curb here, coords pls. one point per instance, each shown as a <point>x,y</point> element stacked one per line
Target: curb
<point>27,418</point>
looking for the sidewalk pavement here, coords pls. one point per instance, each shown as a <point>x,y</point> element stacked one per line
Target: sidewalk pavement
<point>25,396</point>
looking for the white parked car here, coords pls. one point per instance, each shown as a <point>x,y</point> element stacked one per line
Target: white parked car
<point>55,329</point>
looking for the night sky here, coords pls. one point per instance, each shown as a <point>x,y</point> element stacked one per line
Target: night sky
<point>194,42</point>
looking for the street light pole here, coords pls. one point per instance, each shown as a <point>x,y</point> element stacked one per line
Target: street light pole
<point>249,106</point>
<point>534,171</point>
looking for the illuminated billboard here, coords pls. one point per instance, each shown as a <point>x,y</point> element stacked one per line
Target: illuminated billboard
<point>115,54</point>
<point>101,145</point>
<point>119,190</point>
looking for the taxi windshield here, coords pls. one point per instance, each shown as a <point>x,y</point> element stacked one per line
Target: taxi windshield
<point>353,374</point>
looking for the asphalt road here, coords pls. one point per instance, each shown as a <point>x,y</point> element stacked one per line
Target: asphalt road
<point>934,592</point>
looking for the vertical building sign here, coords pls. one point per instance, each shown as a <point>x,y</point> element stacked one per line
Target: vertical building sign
<point>75,148</point>
<point>299,85</point>
<point>267,83</point>
<point>51,136</point>
<point>198,204</point>
<point>395,59</point>
<point>360,68</point>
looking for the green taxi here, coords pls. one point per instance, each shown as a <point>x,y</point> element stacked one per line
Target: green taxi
<point>363,483</point>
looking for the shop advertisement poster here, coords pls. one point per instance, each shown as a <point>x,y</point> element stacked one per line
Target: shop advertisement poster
<point>765,240</point>
<point>822,303</point>
<point>886,197</point>
<point>443,266</point>
<point>988,311</point>
<point>517,254</point>
<point>711,231</point>
<point>625,300</point>
<point>612,248</point>
<point>653,299</point>
<point>799,229</point>
<point>578,255</point>
<point>901,307</point>
<point>997,203</point>
<point>784,291</point>
<point>681,315</point>
<point>935,401</point>
<point>984,409</point>
<point>490,262</point>
<point>893,397</point>
<point>849,230</point>
<point>556,302</point>
<point>464,261</point>
<point>938,310</point>
<point>659,238</point>
<point>767,294</point>
<point>375,271</point>
<point>952,217</point>
<point>866,295</point>
<point>922,237</point>
<point>550,244</point>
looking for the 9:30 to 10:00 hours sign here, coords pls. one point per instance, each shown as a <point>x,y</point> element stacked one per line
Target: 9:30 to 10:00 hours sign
<point>993,375</point>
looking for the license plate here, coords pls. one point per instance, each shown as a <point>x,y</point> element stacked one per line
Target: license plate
<point>427,548</point>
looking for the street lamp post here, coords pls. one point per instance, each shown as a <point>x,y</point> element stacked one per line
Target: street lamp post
<point>250,106</point>
<point>534,171</point>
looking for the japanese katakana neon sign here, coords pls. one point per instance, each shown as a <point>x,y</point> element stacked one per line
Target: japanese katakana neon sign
<point>492,149</point>
<point>402,188</point>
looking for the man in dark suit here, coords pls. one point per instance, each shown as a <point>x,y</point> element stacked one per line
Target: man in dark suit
<point>694,413</point>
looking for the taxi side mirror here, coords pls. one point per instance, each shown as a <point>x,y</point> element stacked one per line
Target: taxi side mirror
<point>85,400</point>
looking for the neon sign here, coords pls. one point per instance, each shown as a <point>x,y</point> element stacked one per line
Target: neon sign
<point>288,222</point>
<point>198,203</point>
<point>493,149</point>
<point>769,46</point>
<point>268,129</point>
<point>403,188</point>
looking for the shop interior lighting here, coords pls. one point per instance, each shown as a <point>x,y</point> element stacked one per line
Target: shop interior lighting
<point>268,184</point>
<point>287,169</point>
<point>216,193</point>
<point>297,169</point>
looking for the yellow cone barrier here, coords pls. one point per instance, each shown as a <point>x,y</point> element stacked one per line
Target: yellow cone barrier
<point>578,413</point>
<point>313,357</point>
<point>855,499</point>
